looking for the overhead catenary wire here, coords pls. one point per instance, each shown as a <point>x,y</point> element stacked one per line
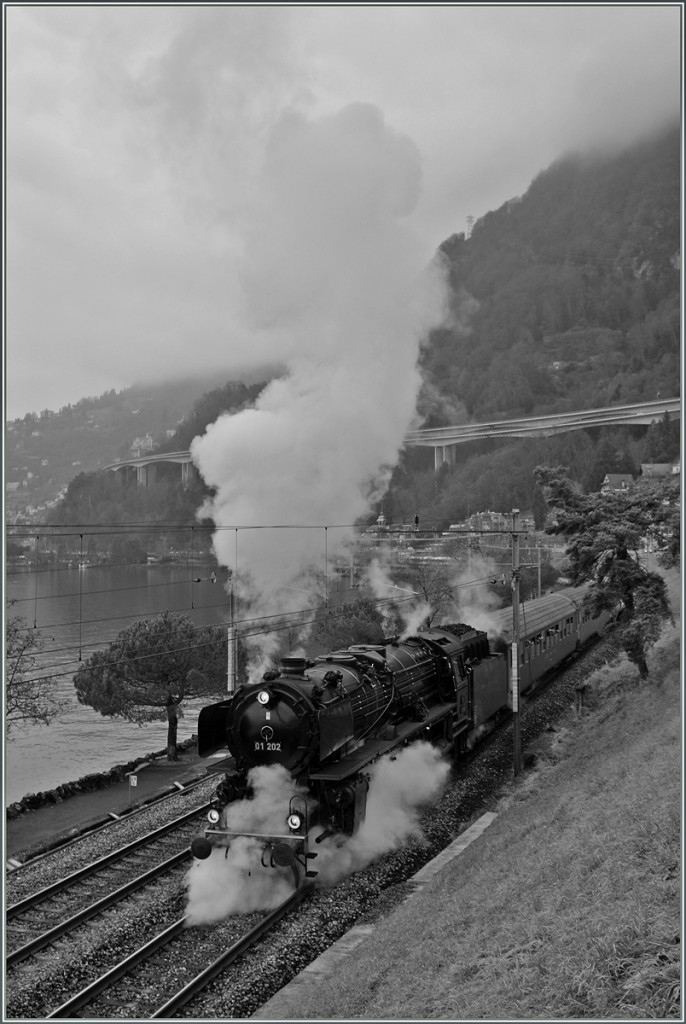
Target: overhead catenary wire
<point>247,632</point>
<point>110,590</point>
<point>56,626</point>
<point>189,647</point>
<point>75,529</point>
<point>60,532</point>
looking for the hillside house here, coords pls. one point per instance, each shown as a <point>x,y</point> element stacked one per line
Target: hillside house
<point>142,445</point>
<point>616,483</point>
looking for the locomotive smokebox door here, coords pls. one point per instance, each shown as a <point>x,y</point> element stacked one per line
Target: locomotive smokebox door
<point>212,728</point>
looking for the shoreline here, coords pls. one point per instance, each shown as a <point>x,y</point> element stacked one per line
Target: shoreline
<point>90,782</point>
<point>36,830</point>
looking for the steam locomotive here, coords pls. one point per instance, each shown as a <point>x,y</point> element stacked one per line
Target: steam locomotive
<point>326,720</point>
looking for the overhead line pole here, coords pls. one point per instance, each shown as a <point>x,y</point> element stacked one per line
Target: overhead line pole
<point>232,632</point>
<point>516,725</point>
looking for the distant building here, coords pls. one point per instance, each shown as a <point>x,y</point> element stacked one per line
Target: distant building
<point>614,483</point>
<point>489,521</point>
<point>141,445</point>
<point>654,470</point>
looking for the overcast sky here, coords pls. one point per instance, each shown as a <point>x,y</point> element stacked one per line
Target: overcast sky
<point>136,138</point>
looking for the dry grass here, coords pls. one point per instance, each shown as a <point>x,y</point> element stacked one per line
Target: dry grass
<point>569,905</point>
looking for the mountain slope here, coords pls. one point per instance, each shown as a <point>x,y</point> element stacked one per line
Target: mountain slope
<point>568,297</point>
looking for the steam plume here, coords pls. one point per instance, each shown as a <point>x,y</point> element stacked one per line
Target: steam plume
<point>408,610</point>
<point>399,787</point>
<point>474,604</point>
<point>237,883</point>
<point>331,276</point>
<point>224,885</point>
<point>451,592</point>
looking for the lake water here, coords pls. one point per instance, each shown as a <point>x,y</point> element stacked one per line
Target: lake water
<point>78,612</point>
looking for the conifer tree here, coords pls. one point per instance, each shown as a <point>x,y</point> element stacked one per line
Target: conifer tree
<point>605,534</point>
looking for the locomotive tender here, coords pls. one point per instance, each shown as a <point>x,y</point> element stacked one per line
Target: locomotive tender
<point>327,720</point>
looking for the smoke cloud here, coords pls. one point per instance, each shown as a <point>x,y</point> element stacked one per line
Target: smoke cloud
<point>451,591</point>
<point>400,785</point>
<point>332,276</point>
<point>475,603</point>
<point>236,882</point>
<point>401,604</point>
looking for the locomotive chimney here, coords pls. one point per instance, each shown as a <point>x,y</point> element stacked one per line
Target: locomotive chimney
<point>294,666</point>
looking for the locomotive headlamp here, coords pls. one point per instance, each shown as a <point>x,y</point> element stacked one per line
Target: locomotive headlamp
<point>294,822</point>
<point>213,817</point>
<point>264,697</point>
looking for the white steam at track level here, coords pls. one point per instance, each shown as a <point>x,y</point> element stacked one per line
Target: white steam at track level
<point>332,277</point>
<point>237,883</point>
<point>400,786</point>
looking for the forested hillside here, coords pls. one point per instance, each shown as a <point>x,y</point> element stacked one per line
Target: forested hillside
<point>565,298</point>
<point>568,297</point>
<point>44,451</point>
<point>103,497</point>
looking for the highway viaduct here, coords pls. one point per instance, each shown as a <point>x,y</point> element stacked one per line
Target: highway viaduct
<point>445,439</point>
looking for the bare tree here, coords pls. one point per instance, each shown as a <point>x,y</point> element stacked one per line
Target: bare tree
<point>29,695</point>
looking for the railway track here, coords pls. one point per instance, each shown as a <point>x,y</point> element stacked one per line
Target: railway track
<point>96,887</point>
<point>15,867</point>
<point>139,986</point>
<point>185,966</point>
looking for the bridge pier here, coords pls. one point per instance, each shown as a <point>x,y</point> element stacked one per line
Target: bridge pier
<point>187,474</point>
<point>145,467</point>
<point>145,475</point>
<point>444,453</point>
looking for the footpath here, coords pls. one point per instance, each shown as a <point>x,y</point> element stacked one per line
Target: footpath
<point>34,831</point>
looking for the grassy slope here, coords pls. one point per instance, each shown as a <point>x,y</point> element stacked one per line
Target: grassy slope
<point>569,905</point>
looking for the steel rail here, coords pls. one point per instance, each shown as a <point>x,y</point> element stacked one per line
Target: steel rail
<point>90,869</point>
<point>47,938</point>
<point>126,815</point>
<point>83,997</point>
<point>165,938</point>
<point>202,980</point>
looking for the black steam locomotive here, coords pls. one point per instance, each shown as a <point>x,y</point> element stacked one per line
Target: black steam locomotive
<point>327,720</point>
